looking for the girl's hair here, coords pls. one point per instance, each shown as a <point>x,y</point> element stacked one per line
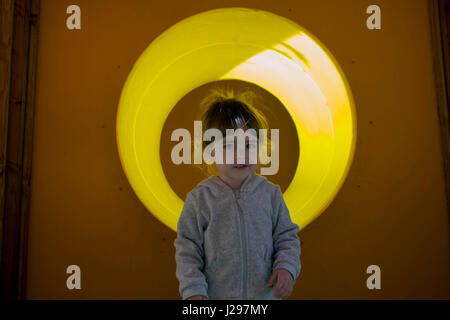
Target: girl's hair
<point>223,109</point>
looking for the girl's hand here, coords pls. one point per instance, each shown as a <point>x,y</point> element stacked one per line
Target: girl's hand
<point>285,283</point>
<point>199,297</point>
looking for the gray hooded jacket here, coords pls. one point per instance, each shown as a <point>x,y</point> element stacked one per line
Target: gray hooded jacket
<point>230,241</point>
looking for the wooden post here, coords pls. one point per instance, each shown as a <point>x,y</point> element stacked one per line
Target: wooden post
<point>18,53</point>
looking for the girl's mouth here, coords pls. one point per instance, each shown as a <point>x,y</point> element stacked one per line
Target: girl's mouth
<point>240,166</point>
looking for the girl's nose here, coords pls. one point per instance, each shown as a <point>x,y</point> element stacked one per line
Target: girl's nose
<point>241,159</point>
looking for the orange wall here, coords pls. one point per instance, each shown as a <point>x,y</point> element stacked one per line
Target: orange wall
<point>390,211</point>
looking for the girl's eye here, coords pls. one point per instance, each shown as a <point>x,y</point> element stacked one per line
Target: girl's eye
<point>248,146</point>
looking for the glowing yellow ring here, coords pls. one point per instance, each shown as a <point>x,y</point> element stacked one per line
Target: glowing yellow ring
<point>250,45</point>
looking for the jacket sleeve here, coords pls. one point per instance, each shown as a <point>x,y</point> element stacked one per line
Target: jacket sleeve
<point>285,239</point>
<point>189,254</point>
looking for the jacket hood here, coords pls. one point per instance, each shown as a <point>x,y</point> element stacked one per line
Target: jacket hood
<point>217,186</point>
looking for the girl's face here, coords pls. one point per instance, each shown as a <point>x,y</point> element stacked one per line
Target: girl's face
<point>234,170</point>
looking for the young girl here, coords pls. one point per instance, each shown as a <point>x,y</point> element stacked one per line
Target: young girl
<point>235,237</point>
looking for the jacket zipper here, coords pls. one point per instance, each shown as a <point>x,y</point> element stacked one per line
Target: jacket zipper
<point>244,245</point>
